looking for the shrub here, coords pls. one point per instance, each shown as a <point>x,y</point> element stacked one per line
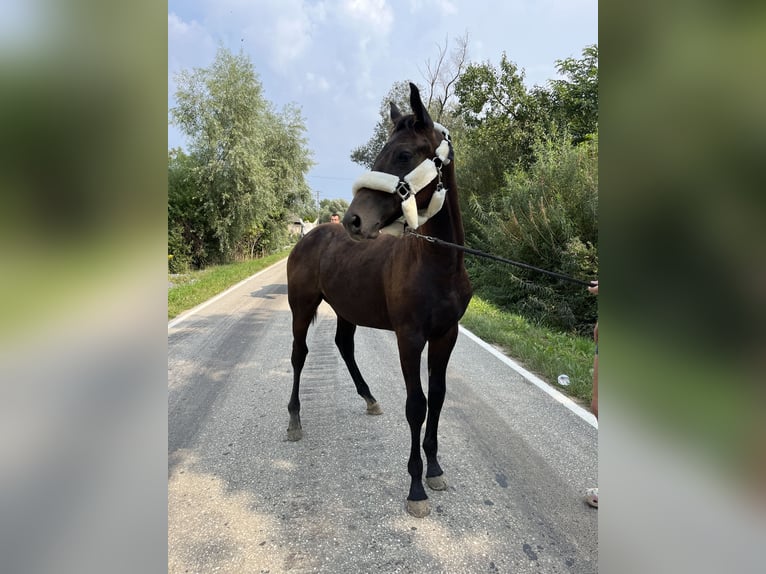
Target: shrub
<point>546,217</point>
<point>179,252</point>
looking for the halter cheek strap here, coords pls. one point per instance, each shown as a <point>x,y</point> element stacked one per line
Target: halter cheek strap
<point>408,187</point>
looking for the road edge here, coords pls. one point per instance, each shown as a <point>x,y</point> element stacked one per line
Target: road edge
<point>557,395</point>
<point>186,314</point>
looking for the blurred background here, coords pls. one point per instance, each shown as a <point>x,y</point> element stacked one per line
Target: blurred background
<point>83,180</point>
<point>83,151</point>
<point>682,305</point>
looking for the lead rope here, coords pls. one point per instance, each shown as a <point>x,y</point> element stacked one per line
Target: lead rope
<point>471,251</point>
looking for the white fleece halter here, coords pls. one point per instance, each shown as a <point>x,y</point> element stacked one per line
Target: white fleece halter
<point>410,185</point>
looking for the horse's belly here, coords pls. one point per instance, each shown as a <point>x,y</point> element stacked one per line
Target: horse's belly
<point>362,313</point>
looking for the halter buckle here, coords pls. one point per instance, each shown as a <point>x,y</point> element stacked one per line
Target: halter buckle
<point>403,189</point>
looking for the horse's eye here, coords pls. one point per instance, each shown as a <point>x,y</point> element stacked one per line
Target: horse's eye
<point>404,156</point>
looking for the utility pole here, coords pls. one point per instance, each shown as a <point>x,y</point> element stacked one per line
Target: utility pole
<point>317,206</point>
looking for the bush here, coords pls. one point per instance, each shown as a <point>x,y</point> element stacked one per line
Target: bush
<point>179,252</point>
<point>545,217</point>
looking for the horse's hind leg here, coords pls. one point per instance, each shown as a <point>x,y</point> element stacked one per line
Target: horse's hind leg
<point>344,339</point>
<point>302,317</point>
<point>439,351</point>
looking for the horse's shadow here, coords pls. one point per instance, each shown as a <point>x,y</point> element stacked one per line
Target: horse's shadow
<point>270,291</point>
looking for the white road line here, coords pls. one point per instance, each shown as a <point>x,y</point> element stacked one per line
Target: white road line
<point>587,416</point>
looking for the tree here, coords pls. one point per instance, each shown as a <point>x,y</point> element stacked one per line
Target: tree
<point>329,206</point>
<point>187,230</point>
<point>506,121</point>
<point>493,141</point>
<point>495,105</point>
<point>250,161</point>
<point>576,97</point>
<point>529,184</point>
<point>442,75</point>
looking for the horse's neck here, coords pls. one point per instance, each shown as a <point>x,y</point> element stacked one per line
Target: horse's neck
<point>447,224</point>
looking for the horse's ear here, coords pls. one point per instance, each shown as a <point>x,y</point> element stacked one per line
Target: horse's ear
<point>395,113</point>
<point>420,111</point>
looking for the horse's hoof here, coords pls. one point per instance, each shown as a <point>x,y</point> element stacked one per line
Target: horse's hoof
<point>436,482</point>
<point>294,434</point>
<point>418,508</point>
<point>374,409</point>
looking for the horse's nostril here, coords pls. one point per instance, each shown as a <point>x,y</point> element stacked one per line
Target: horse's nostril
<point>353,224</point>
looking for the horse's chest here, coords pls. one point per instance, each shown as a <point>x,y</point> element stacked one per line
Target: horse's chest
<point>449,307</point>
<point>436,300</point>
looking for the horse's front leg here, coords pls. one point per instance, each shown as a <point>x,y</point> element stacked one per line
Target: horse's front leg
<point>439,352</point>
<point>410,349</point>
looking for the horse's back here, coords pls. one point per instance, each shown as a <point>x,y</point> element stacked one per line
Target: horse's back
<point>311,253</point>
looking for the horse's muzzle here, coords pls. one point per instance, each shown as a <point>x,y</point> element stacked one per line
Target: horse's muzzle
<point>353,224</point>
<point>369,212</point>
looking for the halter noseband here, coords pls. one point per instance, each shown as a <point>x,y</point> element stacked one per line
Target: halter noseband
<point>408,187</point>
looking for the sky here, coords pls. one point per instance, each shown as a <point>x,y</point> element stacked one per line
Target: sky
<point>337,59</point>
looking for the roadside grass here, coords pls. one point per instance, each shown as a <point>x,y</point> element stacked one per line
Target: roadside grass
<point>538,349</point>
<point>190,289</point>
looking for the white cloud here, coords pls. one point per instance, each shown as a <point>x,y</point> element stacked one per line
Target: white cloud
<point>290,35</point>
<point>368,25</point>
<point>280,31</point>
<point>375,16</point>
<point>442,6</point>
<point>189,44</point>
<point>316,83</point>
<point>318,12</point>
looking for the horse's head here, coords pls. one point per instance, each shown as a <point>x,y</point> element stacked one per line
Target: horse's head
<point>406,176</point>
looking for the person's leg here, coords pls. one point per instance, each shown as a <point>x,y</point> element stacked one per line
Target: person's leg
<point>594,400</point>
<point>591,495</point>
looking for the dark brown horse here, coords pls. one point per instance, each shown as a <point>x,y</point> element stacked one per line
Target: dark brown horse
<point>399,283</point>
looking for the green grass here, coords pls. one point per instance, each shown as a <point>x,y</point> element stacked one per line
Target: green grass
<point>546,353</point>
<point>190,289</point>
<point>542,351</point>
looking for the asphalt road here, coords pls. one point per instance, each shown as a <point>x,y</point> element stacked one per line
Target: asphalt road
<point>241,498</point>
